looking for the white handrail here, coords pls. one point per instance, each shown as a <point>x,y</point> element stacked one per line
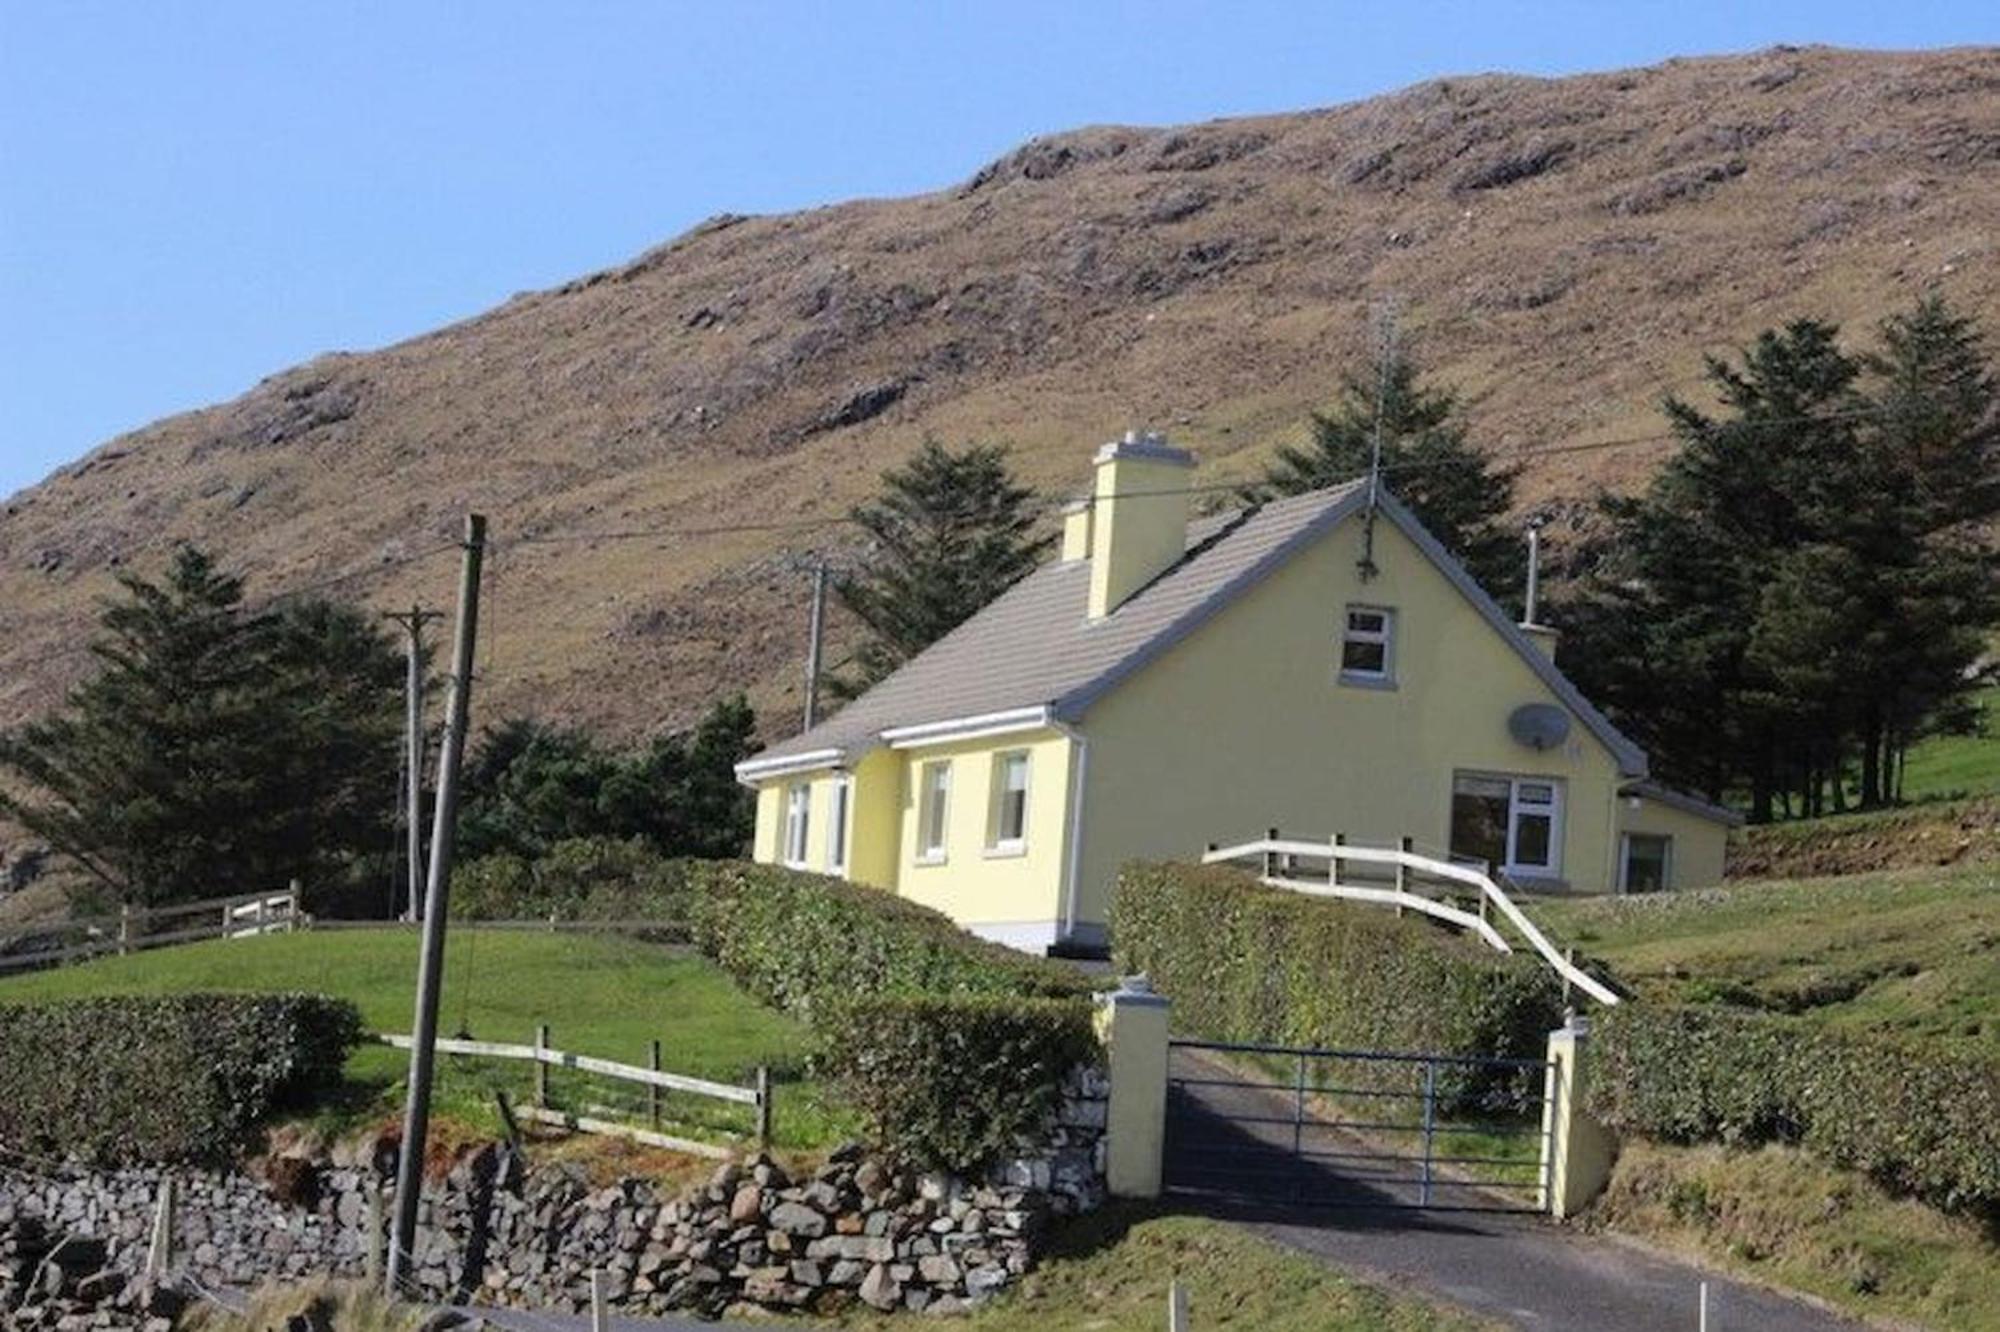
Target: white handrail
<point>1337,851</point>
<point>1392,897</point>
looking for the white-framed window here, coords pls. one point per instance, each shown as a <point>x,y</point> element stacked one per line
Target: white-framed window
<point>1645,863</point>
<point>1513,824</point>
<point>1368,646</point>
<point>933,810</point>
<point>1007,821</point>
<point>798,822</point>
<point>842,792</point>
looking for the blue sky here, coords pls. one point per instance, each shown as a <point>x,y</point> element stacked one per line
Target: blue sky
<point>195,195</point>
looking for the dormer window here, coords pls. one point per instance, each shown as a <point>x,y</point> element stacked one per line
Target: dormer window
<point>1368,647</point>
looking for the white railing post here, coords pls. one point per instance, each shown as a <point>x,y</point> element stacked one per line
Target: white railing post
<point>1333,860</point>
<point>542,1066</point>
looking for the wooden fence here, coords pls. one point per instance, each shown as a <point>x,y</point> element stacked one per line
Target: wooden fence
<point>1409,881</point>
<point>585,1117</point>
<point>25,947</point>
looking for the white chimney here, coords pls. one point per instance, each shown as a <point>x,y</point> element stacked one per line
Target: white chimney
<point>1138,526</point>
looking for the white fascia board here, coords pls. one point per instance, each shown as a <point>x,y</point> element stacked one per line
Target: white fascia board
<point>751,771</point>
<point>966,728</point>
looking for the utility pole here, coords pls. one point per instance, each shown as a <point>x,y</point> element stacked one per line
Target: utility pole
<point>413,621</point>
<point>1385,355</point>
<point>430,968</point>
<point>813,647</point>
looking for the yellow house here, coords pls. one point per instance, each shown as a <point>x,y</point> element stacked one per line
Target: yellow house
<point>1317,664</point>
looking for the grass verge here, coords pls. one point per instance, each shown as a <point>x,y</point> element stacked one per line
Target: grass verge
<point>1777,1216</point>
<point>600,994</point>
<point>1109,1272</point>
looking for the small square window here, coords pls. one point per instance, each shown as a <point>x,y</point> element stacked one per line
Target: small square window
<point>1368,646</point>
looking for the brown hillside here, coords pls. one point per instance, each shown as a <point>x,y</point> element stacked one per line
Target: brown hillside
<point>1564,250</point>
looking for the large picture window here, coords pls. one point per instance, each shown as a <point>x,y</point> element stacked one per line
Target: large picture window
<point>934,810</point>
<point>1512,824</point>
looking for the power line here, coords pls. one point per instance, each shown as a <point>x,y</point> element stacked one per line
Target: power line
<point>268,603</point>
<point>1043,504</point>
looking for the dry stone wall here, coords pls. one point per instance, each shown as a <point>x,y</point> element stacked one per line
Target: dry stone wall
<point>860,1227</point>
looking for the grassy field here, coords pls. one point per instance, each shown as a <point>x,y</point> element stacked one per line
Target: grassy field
<point>601,995</point>
<point>1955,765</point>
<point>1776,1215</point>
<point>1913,952</point>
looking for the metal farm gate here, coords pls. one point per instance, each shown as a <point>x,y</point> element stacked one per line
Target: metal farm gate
<point>1292,1126</point>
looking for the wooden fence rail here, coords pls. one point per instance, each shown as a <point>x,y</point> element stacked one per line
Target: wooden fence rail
<point>1279,860</point>
<point>654,1079</point>
<point>134,928</point>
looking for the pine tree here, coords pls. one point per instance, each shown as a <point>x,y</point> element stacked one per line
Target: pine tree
<point>1428,462</point>
<point>214,750</point>
<point>951,531</point>
<point>1807,586</point>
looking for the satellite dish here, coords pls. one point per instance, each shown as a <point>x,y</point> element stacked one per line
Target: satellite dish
<point>1538,725</point>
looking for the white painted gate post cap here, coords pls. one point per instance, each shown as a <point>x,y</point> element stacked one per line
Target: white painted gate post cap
<point>1135,992</point>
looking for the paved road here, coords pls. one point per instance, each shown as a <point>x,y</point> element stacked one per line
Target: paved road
<point>1521,1269</point>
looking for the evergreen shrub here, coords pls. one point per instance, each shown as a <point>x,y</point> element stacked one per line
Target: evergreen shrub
<point>1923,1120</point>
<point>956,1079</point>
<point>167,1078</point>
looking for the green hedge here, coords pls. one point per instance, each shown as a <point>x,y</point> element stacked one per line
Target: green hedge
<point>955,1079</point>
<point>584,878</point>
<point>807,943</point>
<point>177,1078</point>
<point>1243,962</point>
<point>1923,1120</point>
<point>951,1045</point>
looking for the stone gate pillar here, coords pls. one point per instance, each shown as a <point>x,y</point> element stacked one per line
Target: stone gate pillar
<point>1577,1151</point>
<point>1132,1024</point>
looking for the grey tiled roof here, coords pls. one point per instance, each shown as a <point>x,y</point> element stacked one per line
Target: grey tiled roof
<point>1034,646</point>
